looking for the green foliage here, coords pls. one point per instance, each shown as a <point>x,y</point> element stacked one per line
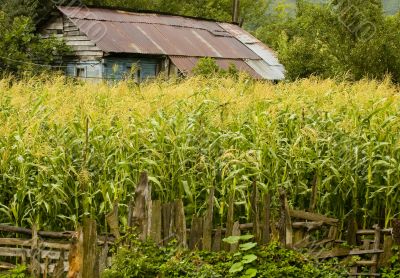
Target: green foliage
<point>21,49</point>
<point>148,260</point>
<point>18,272</point>
<point>352,38</point>
<point>207,67</point>
<point>247,258</point>
<point>393,270</point>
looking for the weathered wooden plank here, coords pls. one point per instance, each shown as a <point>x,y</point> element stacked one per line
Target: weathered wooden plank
<point>89,53</point>
<point>208,221</point>
<point>229,219</point>
<point>77,48</point>
<point>156,221</point>
<point>235,232</point>
<point>372,232</point>
<point>141,216</point>
<point>336,252</point>
<point>44,234</point>
<point>19,252</point>
<point>6,266</point>
<point>180,223</point>
<point>74,33</point>
<point>312,216</point>
<point>35,254</point>
<point>309,226</point>
<point>103,259</point>
<point>377,242</point>
<point>216,247</point>
<point>112,221</point>
<point>77,38</point>
<point>255,215</point>
<point>70,28</point>
<point>196,233</point>
<point>89,248</point>
<point>167,221</point>
<point>266,218</point>
<point>366,263</point>
<point>81,43</point>
<point>285,223</point>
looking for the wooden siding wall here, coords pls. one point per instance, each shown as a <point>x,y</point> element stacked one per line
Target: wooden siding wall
<point>63,27</point>
<point>83,47</point>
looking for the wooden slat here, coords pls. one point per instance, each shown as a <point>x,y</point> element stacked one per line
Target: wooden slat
<point>313,217</point>
<point>77,38</point>
<point>196,233</point>
<point>6,266</point>
<point>28,243</point>
<point>19,252</point>
<point>74,43</point>
<point>365,263</point>
<point>372,232</point>
<point>208,221</point>
<point>25,231</point>
<point>364,252</point>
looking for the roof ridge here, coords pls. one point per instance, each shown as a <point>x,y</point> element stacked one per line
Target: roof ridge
<point>145,12</point>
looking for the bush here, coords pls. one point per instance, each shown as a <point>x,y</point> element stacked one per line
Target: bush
<point>148,260</point>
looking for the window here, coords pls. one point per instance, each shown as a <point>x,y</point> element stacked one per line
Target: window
<point>80,72</point>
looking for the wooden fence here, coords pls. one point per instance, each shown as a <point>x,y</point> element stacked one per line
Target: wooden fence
<point>84,254</point>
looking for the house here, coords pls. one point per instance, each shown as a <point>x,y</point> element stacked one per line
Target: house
<point>108,43</point>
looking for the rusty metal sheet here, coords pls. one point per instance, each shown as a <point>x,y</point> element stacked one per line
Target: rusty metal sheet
<point>251,42</point>
<point>186,65</point>
<point>100,14</point>
<point>267,71</point>
<point>121,37</point>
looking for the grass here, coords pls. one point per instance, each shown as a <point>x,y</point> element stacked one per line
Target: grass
<point>192,135</point>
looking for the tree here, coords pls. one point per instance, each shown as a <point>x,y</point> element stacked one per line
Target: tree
<point>21,49</point>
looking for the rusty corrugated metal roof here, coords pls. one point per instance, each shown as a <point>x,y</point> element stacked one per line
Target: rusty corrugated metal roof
<point>186,64</point>
<point>116,31</point>
<point>123,32</point>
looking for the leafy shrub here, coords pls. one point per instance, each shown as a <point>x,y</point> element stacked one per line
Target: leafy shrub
<point>208,67</point>
<point>148,260</point>
<point>18,272</point>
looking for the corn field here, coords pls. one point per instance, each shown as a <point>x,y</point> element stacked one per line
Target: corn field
<point>69,149</point>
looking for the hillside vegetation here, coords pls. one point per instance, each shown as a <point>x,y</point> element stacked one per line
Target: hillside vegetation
<point>192,135</point>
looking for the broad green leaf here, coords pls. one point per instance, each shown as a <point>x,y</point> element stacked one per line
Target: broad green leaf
<point>250,273</point>
<point>246,237</point>
<point>231,239</point>
<point>247,246</point>
<point>236,267</point>
<point>249,259</point>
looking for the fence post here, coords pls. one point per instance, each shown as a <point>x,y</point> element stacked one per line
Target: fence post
<point>141,214</point>
<point>156,221</point>
<point>377,241</point>
<point>255,215</point>
<point>229,220</point>
<point>208,221</point>
<point>180,223</point>
<point>285,223</point>
<point>196,233</point>
<point>35,253</point>
<point>89,248</point>
<point>266,218</point>
<point>112,220</point>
